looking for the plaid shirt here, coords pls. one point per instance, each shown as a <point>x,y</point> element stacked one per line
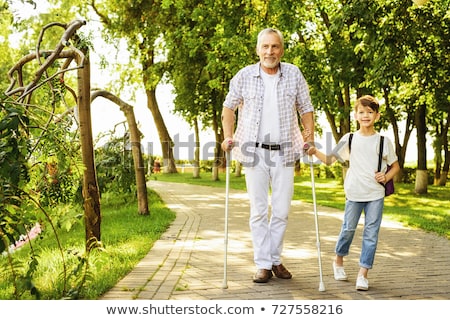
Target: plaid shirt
<point>247,93</point>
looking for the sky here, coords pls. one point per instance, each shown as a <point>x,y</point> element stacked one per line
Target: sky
<point>106,115</point>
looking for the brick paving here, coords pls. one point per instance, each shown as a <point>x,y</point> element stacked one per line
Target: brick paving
<point>187,263</point>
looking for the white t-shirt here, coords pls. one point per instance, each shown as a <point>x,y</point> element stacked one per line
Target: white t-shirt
<point>269,130</point>
<point>360,184</point>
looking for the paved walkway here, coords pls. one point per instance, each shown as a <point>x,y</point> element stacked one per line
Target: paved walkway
<point>187,263</point>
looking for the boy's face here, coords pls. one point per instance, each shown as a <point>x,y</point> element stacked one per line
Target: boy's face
<point>366,116</point>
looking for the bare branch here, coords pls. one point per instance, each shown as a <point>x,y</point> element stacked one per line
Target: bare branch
<point>70,55</point>
<point>103,18</point>
<point>41,36</point>
<point>51,56</point>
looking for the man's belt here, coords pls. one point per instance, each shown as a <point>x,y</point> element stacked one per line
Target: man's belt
<point>268,146</point>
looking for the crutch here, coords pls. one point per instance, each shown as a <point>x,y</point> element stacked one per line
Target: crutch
<point>227,192</point>
<point>316,218</point>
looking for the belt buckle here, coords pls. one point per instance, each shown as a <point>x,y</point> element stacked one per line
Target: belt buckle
<point>271,146</point>
<point>275,147</point>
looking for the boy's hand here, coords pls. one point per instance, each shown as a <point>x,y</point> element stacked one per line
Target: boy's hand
<point>380,177</point>
<point>310,149</point>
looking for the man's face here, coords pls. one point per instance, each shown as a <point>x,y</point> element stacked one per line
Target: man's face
<point>270,52</point>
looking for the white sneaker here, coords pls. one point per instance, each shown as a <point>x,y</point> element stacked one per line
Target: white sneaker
<point>339,272</point>
<point>362,283</point>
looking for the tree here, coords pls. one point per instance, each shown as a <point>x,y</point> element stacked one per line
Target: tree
<point>206,44</point>
<point>430,69</point>
<point>140,23</point>
<point>349,49</point>
<point>22,93</point>
<point>344,49</point>
<point>135,141</point>
<point>431,66</point>
<point>6,59</point>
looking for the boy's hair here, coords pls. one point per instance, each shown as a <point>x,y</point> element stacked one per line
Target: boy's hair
<point>367,101</point>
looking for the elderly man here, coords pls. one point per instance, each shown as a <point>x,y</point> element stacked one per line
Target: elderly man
<point>271,97</point>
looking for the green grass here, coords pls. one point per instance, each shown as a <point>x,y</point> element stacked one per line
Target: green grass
<point>126,237</point>
<point>429,212</point>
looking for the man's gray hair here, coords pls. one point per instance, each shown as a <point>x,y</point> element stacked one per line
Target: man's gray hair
<point>269,30</point>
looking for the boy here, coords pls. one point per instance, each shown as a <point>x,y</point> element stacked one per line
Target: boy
<point>363,187</point>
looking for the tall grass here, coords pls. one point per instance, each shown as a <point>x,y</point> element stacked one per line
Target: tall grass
<point>126,238</point>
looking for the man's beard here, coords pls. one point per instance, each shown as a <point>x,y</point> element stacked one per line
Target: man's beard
<point>270,64</point>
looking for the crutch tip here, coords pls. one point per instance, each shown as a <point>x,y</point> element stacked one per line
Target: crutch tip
<point>225,283</point>
<point>321,287</point>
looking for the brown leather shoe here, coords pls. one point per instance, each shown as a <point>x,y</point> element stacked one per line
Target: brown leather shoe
<point>262,276</point>
<point>281,272</point>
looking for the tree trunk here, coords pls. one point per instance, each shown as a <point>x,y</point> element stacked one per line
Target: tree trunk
<point>443,180</point>
<point>136,148</point>
<point>399,149</point>
<point>147,52</point>
<point>196,172</point>
<point>238,170</point>
<point>437,172</point>
<point>298,168</point>
<point>445,146</point>
<point>138,161</point>
<point>91,196</point>
<point>219,154</point>
<point>421,186</point>
<point>164,137</point>
<point>422,174</point>
<point>216,164</point>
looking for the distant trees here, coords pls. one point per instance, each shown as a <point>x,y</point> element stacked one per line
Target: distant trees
<point>393,49</point>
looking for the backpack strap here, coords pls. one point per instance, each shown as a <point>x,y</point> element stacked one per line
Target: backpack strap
<point>350,142</point>
<point>380,153</point>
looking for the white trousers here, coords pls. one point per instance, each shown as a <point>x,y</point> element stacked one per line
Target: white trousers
<point>269,176</point>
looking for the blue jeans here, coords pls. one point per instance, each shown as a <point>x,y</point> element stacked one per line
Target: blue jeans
<point>373,211</point>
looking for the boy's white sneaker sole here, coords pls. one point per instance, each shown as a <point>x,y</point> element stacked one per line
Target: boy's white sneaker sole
<point>362,283</point>
<point>339,273</point>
